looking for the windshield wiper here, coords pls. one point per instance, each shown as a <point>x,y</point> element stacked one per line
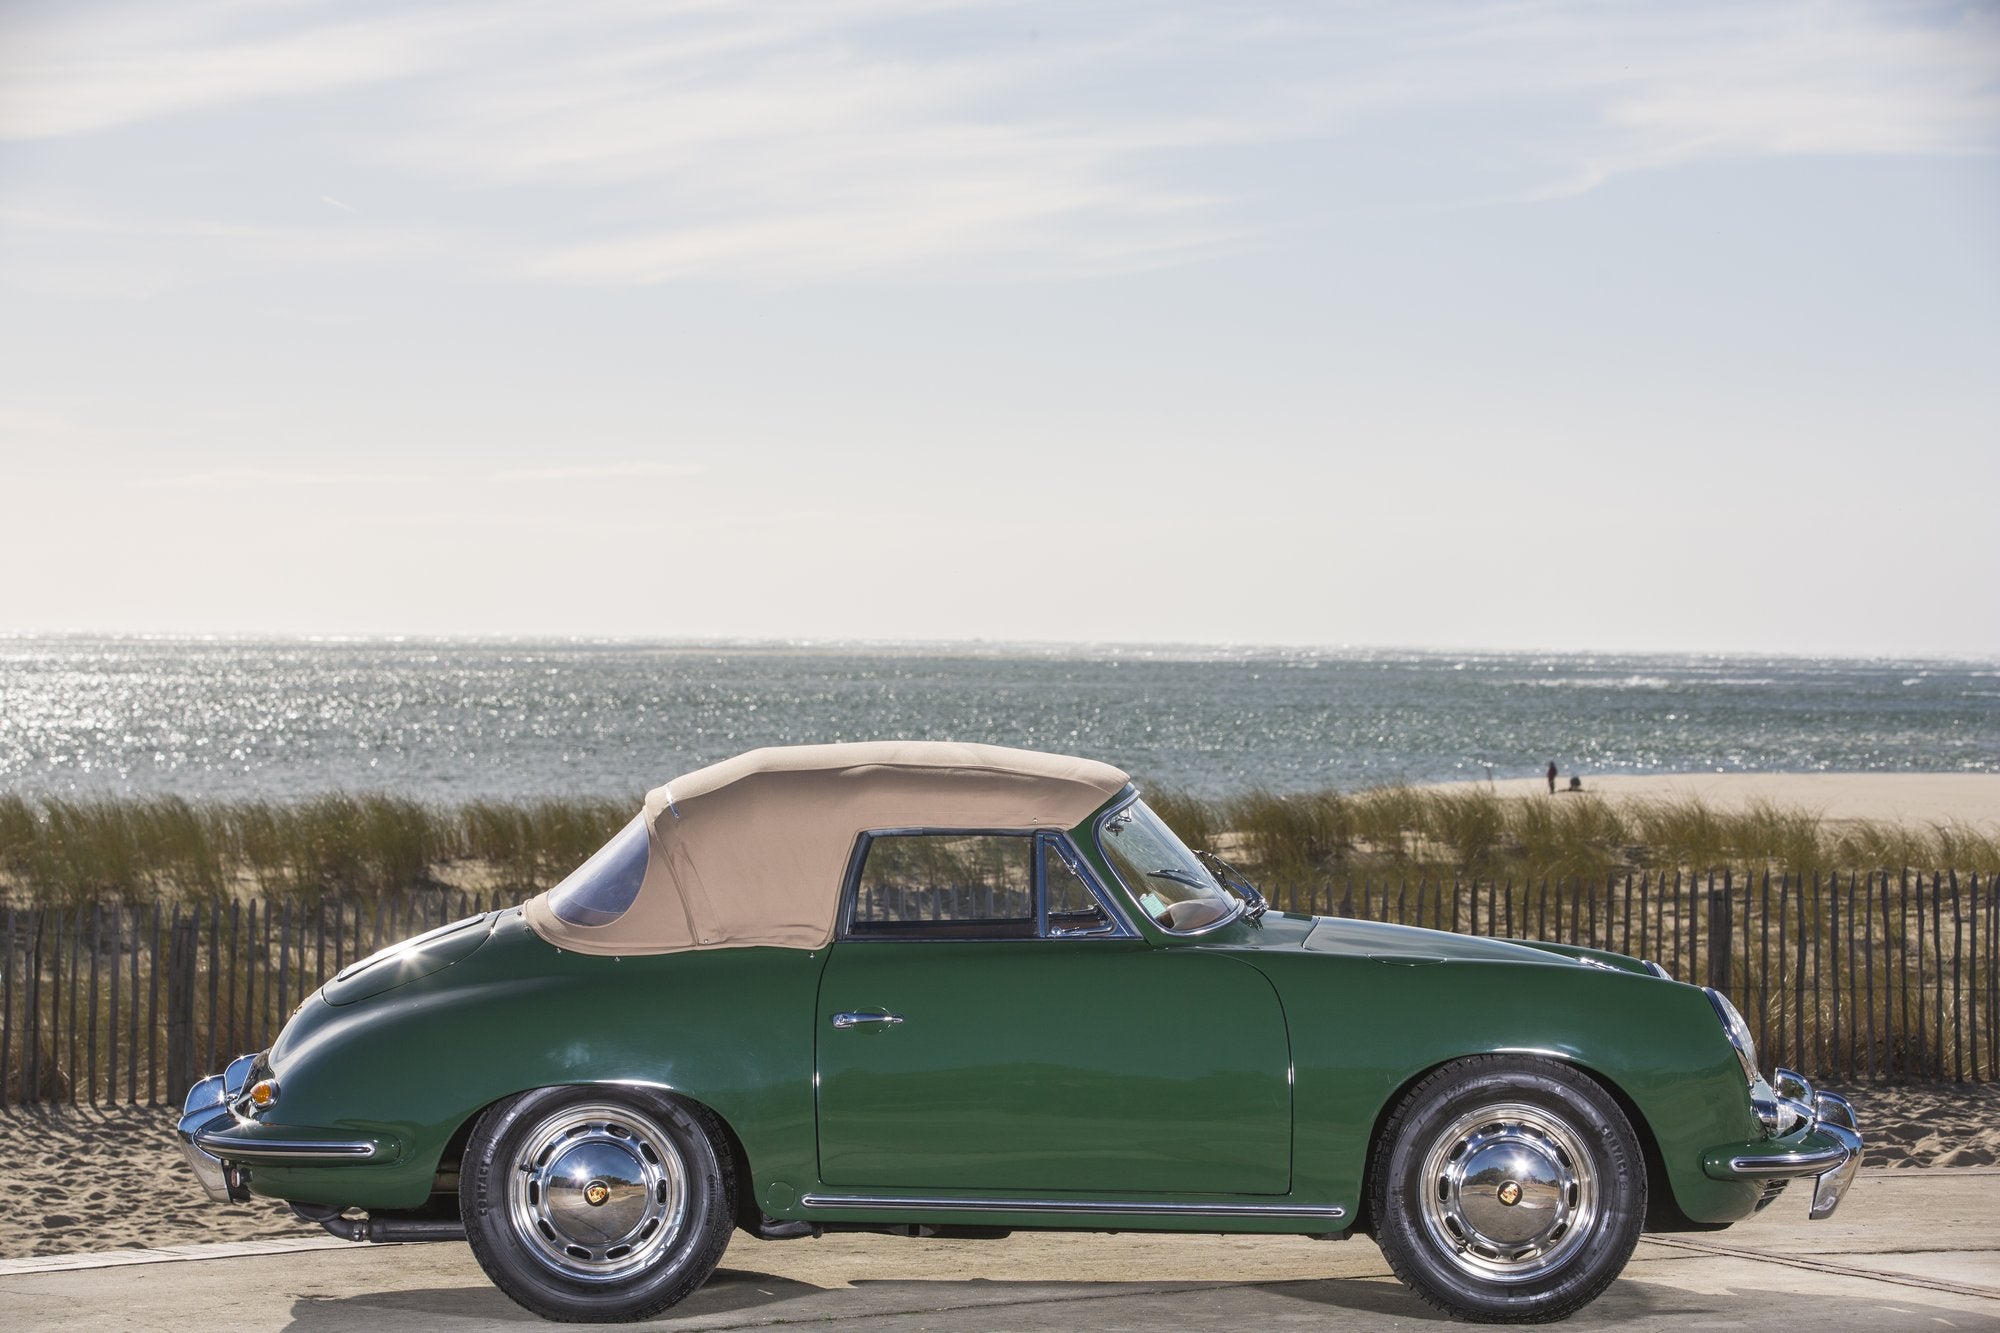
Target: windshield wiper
<point>1177,876</point>
<point>1255,904</point>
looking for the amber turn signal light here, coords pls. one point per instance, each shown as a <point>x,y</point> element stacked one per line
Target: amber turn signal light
<point>264,1092</point>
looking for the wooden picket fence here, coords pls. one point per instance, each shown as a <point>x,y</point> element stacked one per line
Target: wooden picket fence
<point>1880,977</point>
<point>109,1003</point>
<point>1886,978</point>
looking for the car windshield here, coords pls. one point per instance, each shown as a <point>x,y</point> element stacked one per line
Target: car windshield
<point>1166,879</point>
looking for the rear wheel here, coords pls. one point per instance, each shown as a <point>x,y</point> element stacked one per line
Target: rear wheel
<point>1508,1190</point>
<point>594,1204</point>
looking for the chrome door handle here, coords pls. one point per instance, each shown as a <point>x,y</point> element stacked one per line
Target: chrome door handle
<point>850,1019</point>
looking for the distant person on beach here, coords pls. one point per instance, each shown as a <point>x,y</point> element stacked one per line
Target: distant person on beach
<point>1575,782</point>
<point>1552,777</point>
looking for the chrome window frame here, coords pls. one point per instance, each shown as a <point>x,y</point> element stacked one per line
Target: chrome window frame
<point>1238,906</point>
<point>1039,839</point>
<point>1072,856</point>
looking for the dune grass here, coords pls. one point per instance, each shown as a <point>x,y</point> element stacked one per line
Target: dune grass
<point>54,849</point>
<point>1478,834</point>
<point>64,850</point>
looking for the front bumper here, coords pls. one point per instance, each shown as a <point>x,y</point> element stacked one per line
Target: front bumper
<point>221,1142</point>
<point>1812,1134</point>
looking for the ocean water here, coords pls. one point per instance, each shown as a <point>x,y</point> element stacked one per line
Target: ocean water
<point>457,719</point>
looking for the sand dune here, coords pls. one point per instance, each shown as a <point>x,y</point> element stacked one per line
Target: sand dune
<point>1896,798</point>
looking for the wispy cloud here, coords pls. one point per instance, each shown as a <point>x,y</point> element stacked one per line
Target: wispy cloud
<point>85,68</point>
<point>599,472</point>
<point>609,141</point>
<point>250,479</point>
<point>1748,81</point>
<point>311,243</point>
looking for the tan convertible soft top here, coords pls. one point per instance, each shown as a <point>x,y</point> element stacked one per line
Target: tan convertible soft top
<point>753,850</point>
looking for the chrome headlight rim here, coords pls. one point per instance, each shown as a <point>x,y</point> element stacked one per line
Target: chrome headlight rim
<point>1737,1031</point>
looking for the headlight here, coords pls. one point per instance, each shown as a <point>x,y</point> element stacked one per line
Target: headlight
<point>1736,1030</point>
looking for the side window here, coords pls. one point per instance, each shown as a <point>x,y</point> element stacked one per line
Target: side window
<point>600,890</point>
<point>1073,908</point>
<point>946,886</point>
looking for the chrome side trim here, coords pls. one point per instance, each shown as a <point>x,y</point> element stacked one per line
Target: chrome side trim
<point>1118,1207</point>
<point>305,1150</point>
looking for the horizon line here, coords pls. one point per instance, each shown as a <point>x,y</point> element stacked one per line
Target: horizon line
<point>1237,647</point>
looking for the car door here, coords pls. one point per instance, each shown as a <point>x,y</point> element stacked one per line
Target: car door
<point>989,1021</point>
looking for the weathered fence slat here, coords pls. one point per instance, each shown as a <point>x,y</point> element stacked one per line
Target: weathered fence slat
<point>1937,973</point>
<point>214,975</point>
<point>1763,971</point>
<point>132,1028</point>
<point>75,933</point>
<point>111,1028</point>
<point>153,1015</point>
<point>285,964</point>
<point>1865,920</point>
<point>1957,996</point>
<point>96,949</point>
<point>1721,920</point>
<point>52,1069</point>
<point>8,969</point>
<point>1891,1057</point>
<point>182,939</point>
<point>1993,973</point>
<point>32,1030</point>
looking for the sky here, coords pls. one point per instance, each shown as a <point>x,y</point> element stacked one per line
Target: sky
<point>1510,325</point>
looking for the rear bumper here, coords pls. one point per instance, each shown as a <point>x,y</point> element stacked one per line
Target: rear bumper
<point>1814,1134</point>
<point>221,1143</point>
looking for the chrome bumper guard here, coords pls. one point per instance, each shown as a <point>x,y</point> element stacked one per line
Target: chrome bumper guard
<point>213,1112</point>
<point>210,1107</point>
<point>1800,1111</point>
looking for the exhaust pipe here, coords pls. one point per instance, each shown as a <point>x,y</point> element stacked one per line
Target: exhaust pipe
<point>382,1230</point>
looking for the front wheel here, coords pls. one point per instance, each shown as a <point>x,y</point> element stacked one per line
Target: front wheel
<point>594,1204</point>
<point>1508,1190</point>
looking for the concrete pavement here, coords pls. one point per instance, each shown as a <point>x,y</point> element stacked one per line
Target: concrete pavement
<point>1908,1250</point>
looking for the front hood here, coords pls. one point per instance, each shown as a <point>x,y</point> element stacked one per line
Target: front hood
<point>1412,945</point>
<point>402,963</point>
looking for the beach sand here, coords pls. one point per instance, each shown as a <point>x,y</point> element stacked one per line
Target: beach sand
<point>89,1179</point>
<point>1919,799</point>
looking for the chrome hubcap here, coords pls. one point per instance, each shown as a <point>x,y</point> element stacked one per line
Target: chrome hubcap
<point>1508,1192</point>
<point>597,1191</point>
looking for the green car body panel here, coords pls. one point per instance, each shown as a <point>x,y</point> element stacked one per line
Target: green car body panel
<point>1250,1066</point>
<point>415,1063</point>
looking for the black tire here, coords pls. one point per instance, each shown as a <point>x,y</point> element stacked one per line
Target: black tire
<point>1508,1190</point>
<point>597,1205</point>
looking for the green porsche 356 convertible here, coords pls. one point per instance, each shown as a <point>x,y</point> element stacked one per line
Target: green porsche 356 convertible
<point>937,989</point>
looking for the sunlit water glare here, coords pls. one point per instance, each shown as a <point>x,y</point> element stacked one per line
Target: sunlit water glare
<point>457,719</point>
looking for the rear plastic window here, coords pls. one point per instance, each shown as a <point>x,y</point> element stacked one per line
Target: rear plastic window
<point>600,890</point>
